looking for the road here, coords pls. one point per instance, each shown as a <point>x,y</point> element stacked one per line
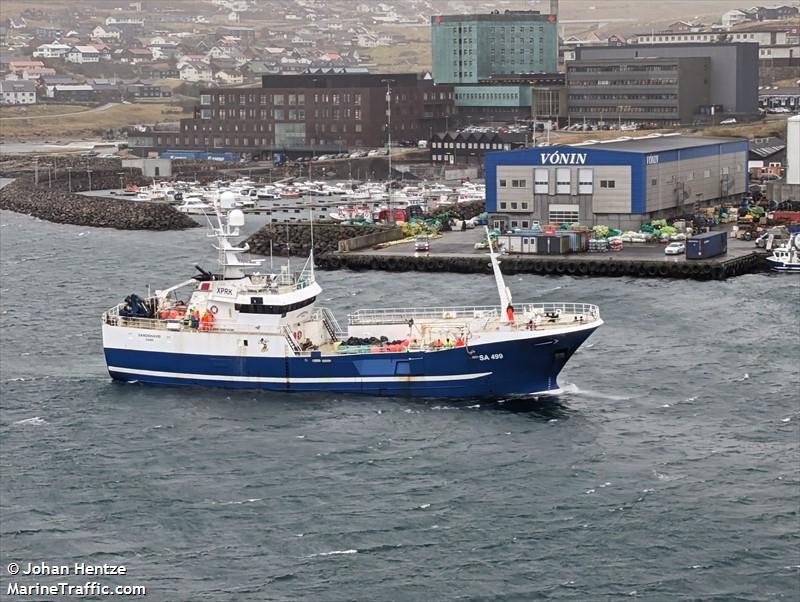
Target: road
<point>21,148</point>
<point>104,107</point>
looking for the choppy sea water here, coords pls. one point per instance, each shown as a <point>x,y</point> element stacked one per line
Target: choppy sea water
<point>669,470</point>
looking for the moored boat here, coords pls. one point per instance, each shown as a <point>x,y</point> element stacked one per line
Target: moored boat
<point>786,257</point>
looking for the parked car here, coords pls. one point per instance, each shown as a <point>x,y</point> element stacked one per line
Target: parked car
<point>422,243</point>
<point>730,121</point>
<point>675,248</point>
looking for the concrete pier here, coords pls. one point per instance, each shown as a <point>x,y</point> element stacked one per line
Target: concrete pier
<point>455,252</point>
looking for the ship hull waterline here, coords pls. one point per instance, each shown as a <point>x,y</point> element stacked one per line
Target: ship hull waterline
<point>527,366</point>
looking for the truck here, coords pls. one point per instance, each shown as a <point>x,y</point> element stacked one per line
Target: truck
<point>707,245</point>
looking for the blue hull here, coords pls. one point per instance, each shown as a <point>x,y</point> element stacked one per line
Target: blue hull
<point>505,368</point>
<point>779,266</point>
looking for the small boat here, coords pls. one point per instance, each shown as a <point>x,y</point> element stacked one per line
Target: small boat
<point>267,193</point>
<point>786,257</point>
<point>194,206</point>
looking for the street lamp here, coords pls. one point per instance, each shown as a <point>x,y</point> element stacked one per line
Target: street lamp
<point>89,173</point>
<point>121,175</point>
<point>389,83</point>
<point>69,177</point>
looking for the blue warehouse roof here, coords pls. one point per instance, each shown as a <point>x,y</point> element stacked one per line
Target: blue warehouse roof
<point>654,148</point>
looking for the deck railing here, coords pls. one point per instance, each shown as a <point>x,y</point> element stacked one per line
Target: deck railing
<point>361,317</point>
<point>544,314</point>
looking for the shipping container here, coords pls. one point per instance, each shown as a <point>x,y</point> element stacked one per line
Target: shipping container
<point>528,243</point>
<point>198,155</point>
<point>577,240</point>
<point>518,243</point>
<point>792,217</point>
<point>552,245</point>
<point>707,245</point>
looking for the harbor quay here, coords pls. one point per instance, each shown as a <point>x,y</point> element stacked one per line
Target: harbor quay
<point>455,252</point>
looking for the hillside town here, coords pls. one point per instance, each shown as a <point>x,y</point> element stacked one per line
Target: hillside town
<point>130,51</point>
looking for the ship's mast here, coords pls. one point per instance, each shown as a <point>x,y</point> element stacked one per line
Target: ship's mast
<point>502,289</point>
<point>229,220</point>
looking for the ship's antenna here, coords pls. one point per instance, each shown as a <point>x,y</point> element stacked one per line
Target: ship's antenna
<point>288,251</point>
<point>311,253</point>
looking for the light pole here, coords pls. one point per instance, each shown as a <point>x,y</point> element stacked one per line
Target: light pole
<point>69,177</point>
<point>89,173</point>
<point>36,170</point>
<point>389,83</point>
<point>49,178</point>
<point>121,181</point>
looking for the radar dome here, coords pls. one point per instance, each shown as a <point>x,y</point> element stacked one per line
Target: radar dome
<point>227,200</point>
<point>236,218</point>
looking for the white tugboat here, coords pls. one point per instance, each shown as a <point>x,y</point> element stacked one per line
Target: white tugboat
<point>264,330</point>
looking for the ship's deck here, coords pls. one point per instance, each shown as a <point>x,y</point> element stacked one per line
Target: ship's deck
<point>434,321</point>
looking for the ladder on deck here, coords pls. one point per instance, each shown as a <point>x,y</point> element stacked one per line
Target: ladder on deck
<point>290,337</point>
<point>331,325</point>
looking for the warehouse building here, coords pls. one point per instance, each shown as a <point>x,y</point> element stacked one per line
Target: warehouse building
<point>662,91</point>
<point>620,183</point>
<point>726,73</point>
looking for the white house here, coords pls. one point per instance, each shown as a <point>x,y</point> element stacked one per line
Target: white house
<point>196,72</point>
<point>366,40</point>
<point>53,50</point>
<point>733,17</point>
<point>105,33</point>
<point>218,52</point>
<point>124,21</point>
<point>21,92</point>
<point>83,54</point>
<point>227,77</point>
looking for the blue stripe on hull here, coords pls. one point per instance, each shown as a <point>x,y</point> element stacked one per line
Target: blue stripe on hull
<point>527,366</point>
<point>780,266</point>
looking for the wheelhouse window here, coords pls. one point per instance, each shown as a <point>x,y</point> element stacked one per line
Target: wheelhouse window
<point>257,306</point>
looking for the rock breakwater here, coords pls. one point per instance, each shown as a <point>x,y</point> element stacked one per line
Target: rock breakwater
<point>326,237</point>
<point>56,205</point>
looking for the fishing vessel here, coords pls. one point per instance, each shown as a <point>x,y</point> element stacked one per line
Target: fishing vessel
<point>786,257</point>
<point>244,328</point>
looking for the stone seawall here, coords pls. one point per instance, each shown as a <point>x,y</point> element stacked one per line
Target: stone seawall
<point>54,205</point>
<point>561,265</point>
<point>326,237</point>
<point>370,240</point>
<point>460,210</point>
